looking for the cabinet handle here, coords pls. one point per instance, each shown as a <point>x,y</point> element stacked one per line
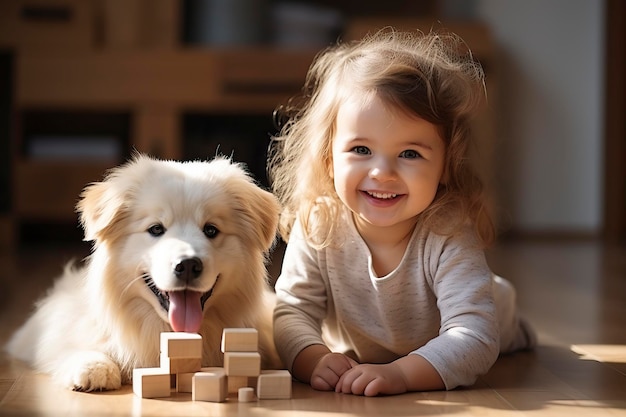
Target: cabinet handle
<point>41,13</point>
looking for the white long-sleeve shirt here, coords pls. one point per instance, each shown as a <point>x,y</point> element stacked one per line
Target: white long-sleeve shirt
<point>440,303</point>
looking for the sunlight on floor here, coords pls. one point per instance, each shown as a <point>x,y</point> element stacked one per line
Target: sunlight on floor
<point>601,353</point>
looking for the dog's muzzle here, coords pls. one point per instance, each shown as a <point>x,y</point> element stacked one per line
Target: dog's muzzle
<point>183,312</point>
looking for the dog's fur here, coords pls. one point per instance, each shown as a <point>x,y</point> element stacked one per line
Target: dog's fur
<point>145,219</point>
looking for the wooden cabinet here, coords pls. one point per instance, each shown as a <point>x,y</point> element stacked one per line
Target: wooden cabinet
<point>120,64</point>
<point>154,88</point>
<point>116,70</point>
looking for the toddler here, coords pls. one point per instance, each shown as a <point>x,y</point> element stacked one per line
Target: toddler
<point>384,286</point>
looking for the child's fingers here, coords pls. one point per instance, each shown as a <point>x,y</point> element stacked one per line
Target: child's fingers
<point>329,370</point>
<point>369,380</point>
<point>353,382</point>
<point>344,382</point>
<point>322,382</point>
<point>325,379</point>
<point>374,388</point>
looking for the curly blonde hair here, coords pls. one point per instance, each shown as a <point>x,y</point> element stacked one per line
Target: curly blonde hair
<point>423,75</point>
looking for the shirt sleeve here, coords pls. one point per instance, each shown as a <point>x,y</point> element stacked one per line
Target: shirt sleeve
<point>468,341</point>
<point>301,294</point>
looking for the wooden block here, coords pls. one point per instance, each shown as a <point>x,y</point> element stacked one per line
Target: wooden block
<point>274,385</point>
<point>181,345</point>
<point>237,382</point>
<point>240,340</point>
<point>245,395</point>
<point>242,363</point>
<point>180,365</point>
<point>151,382</point>
<point>184,379</point>
<point>209,386</point>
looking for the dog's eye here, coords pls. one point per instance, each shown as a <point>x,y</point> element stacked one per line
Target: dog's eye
<point>156,230</point>
<point>210,231</point>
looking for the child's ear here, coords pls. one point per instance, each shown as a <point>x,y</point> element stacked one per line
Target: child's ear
<point>444,178</point>
<point>330,165</point>
<point>444,175</point>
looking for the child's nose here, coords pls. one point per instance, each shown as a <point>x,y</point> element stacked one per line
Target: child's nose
<point>383,170</point>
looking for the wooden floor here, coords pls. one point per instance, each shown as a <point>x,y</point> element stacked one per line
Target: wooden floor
<point>574,293</point>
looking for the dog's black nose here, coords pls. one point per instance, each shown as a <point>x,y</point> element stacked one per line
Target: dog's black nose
<point>188,269</point>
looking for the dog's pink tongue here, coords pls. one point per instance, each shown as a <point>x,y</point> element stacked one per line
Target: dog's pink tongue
<point>185,311</point>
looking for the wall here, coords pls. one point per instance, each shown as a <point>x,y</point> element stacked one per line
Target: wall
<point>550,110</point>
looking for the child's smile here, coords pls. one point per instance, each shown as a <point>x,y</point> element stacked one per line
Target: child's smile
<point>383,196</point>
<point>382,199</point>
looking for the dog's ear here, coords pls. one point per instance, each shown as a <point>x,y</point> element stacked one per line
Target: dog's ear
<point>103,203</point>
<point>269,211</point>
<point>262,210</point>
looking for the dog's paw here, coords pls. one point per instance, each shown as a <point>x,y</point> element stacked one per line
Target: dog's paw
<point>90,371</point>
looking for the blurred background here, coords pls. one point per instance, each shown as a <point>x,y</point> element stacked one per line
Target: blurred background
<point>84,82</point>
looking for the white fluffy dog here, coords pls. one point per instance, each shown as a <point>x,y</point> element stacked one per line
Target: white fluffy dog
<point>177,246</point>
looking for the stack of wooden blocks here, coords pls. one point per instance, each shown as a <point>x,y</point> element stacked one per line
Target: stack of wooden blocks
<point>181,355</point>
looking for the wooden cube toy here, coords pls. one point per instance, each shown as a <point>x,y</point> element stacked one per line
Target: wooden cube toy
<point>181,345</point>
<point>151,382</point>
<point>184,381</point>
<point>181,359</point>
<point>237,382</point>
<point>240,340</point>
<point>242,363</point>
<point>274,385</point>
<point>209,386</point>
<point>180,365</point>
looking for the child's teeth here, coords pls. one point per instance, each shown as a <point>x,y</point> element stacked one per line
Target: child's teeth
<point>383,195</point>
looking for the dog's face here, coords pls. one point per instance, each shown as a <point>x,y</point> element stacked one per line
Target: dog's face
<point>179,232</point>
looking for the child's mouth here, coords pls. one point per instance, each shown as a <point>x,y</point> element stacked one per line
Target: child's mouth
<point>381,196</point>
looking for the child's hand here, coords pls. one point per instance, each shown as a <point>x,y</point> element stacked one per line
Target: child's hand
<point>371,380</point>
<point>409,373</point>
<point>329,370</point>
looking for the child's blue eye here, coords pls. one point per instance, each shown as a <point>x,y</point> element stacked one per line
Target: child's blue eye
<point>361,150</point>
<point>410,154</point>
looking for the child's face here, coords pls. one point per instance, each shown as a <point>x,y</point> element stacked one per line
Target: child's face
<point>387,166</point>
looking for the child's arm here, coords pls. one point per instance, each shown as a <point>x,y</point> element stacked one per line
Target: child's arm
<point>409,373</point>
<point>321,368</point>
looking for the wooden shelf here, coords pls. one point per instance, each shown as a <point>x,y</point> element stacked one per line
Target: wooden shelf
<point>193,79</point>
<point>156,89</point>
